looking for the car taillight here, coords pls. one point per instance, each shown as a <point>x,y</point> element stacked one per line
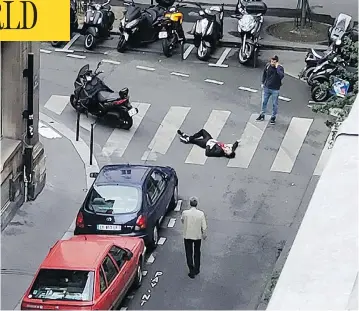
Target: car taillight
<point>140,223</point>
<point>80,220</point>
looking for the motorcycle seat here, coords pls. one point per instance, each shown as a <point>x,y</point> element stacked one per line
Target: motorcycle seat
<point>215,8</point>
<point>154,14</point>
<point>106,96</point>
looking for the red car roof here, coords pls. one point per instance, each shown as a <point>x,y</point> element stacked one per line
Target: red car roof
<point>84,252</point>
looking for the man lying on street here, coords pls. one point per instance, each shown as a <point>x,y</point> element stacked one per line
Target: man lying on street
<point>213,147</point>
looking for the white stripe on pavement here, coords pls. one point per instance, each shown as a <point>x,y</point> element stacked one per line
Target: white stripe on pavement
<point>72,41</point>
<point>214,81</point>
<point>214,125</point>
<point>249,142</point>
<point>291,144</point>
<point>286,99</point>
<point>110,61</point>
<point>151,259</point>
<point>166,132</point>
<point>220,61</point>
<point>145,68</point>
<point>178,206</point>
<point>324,156</point>
<point>179,74</point>
<point>243,88</point>
<point>76,56</point>
<point>63,50</point>
<point>57,103</point>
<point>45,51</point>
<point>123,308</point>
<point>47,132</point>
<point>161,241</point>
<point>171,223</point>
<point>119,140</point>
<point>188,51</point>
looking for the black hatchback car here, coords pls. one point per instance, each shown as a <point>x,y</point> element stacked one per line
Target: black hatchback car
<point>128,200</point>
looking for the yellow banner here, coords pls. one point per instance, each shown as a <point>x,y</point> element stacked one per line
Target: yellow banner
<point>35,20</point>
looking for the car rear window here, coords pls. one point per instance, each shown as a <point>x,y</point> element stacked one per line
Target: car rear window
<point>56,284</point>
<point>114,199</point>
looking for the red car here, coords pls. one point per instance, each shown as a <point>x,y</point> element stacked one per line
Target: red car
<point>87,272</point>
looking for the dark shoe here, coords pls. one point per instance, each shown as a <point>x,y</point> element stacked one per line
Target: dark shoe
<point>179,132</point>
<point>191,275</point>
<point>235,145</point>
<point>272,120</point>
<point>260,117</point>
<point>196,272</point>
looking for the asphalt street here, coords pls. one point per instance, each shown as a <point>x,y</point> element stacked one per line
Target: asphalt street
<point>250,205</point>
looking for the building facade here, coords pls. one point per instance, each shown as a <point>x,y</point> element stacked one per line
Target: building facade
<point>16,185</point>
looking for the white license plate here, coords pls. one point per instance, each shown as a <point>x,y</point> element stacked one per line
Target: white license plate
<point>109,227</point>
<point>132,112</point>
<point>162,35</point>
<point>126,35</point>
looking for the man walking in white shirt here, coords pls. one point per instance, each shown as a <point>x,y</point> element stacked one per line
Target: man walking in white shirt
<point>194,230</point>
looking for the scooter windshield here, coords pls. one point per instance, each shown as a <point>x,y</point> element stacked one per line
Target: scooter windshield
<point>81,73</point>
<point>93,17</point>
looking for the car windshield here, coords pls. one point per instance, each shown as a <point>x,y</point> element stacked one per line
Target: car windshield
<point>56,284</point>
<point>114,199</point>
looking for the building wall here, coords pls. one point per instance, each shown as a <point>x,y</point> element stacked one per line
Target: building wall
<point>13,97</point>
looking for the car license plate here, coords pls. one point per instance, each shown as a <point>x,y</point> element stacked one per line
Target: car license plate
<point>126,36</point>
<point>109,227</point>
<point>162,35</point>
<point>132,112</point>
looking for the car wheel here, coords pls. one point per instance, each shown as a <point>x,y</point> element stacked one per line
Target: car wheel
<point>154,238</point>
<point>174,199</point>
<point>138,278</point>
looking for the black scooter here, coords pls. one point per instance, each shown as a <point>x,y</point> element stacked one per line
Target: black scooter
<point>343,26</point>
<point>98,23</point>
<point>92,95</point>
<point>140,27</point>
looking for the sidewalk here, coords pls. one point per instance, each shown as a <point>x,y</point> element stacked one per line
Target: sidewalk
<point>39,224</point>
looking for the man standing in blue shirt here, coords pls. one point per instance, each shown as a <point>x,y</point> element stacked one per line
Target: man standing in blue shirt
<point>271,82</point>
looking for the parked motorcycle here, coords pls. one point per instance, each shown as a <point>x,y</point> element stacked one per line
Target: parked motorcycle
<point>172,34</point>
<point>98,23</point>
<point>343,26</point>
<point>74,25</point>
<point>92,95</point>
<point>250,21</point>
<point>208,30</point>
<point>141,26</point>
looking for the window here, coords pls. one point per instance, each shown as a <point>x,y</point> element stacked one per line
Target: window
<point>152,190</point>
<point>118,253</point>
<point>56,284</point>
<point>159,180</point>
<point>110,269</point>
<point>114,199</point>
<point>103,285</point>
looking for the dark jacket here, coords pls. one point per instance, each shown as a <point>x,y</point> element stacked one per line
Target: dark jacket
<point>272,77</point>
<point>216,152</point>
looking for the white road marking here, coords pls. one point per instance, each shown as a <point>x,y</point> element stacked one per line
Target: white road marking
<point>119,139</point>
<point>161,241</point>
<point>291,144</point>
<point>76,56</point>
<point>63,50</point>
<point>144,273</point>
<point>47,132</point>
<point>57,103</point>
<point>214,81</point>
<point>166,132</point>
<point>123,308</point>
<point>214,125</point>
<point>220,61</point>
<point>178,206</point>
<point>215,65</point>
<point>110,61</point>
<point>250,139</point>
<point>68,235</point>
<point>171,223</point>
<point>188,51</point>
<point>45,51</point>
<point>145,68</point>
<point>72,41</point>
<point>151,259</point>
<point>179,74</point>
<point>286,99</point>
<point>316,103</point>
<point>243,88</point>
<point>324,157</point>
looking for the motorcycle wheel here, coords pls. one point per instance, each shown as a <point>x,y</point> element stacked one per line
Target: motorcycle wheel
<point>90,42</point>
<point>203,52</point>
<point>56,44</point>
<point>166,47</point>
<point>307,73</point>
<point>319,95</point>
<point>121,45</point>
<point>126,122</point>
<point>248,50</point>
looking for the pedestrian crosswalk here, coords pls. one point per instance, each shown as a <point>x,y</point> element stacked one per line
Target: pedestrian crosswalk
<point>160,139</point>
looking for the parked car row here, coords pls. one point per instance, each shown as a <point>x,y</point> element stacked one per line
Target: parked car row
<point>118,220</point>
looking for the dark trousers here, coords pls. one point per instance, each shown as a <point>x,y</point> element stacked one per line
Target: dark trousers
<point>193,254</point>
<point>200,138</point>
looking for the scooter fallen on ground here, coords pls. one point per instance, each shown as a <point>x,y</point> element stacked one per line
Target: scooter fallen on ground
<point>343,26</point>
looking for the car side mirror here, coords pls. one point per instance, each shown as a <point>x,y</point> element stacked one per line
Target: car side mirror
<point>93,175</point>
<point>128,254</point>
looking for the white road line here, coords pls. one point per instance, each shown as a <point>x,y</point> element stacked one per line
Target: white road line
<point>76,56</point>
<point>123,308</point>
<point>47,132</point>
<point>324,156</point>
<point>57,103</point>
<point>145,68</point>
<point>286,99</point>
<point>220,61</point>
<point>214,125</point>
<point>161,241</point>
<point>178,206</point>
<point>171,223</point>
<point>291,144</point>
<point>151,259</point>
<point>110,61</point>
<point>219,66</point>
<point>179,74</point>
<point>188,51</point>
<point>144,272</point>
<point>316,103</point>
<point>250,139</point>
<point>243,88</point>
<point>85,122</point>
<point>45,51</point>
<point>119,140</point>
<point>166,132</point>
<point>214,81</point>
<point>63,50</point>
<point>72,41</point>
